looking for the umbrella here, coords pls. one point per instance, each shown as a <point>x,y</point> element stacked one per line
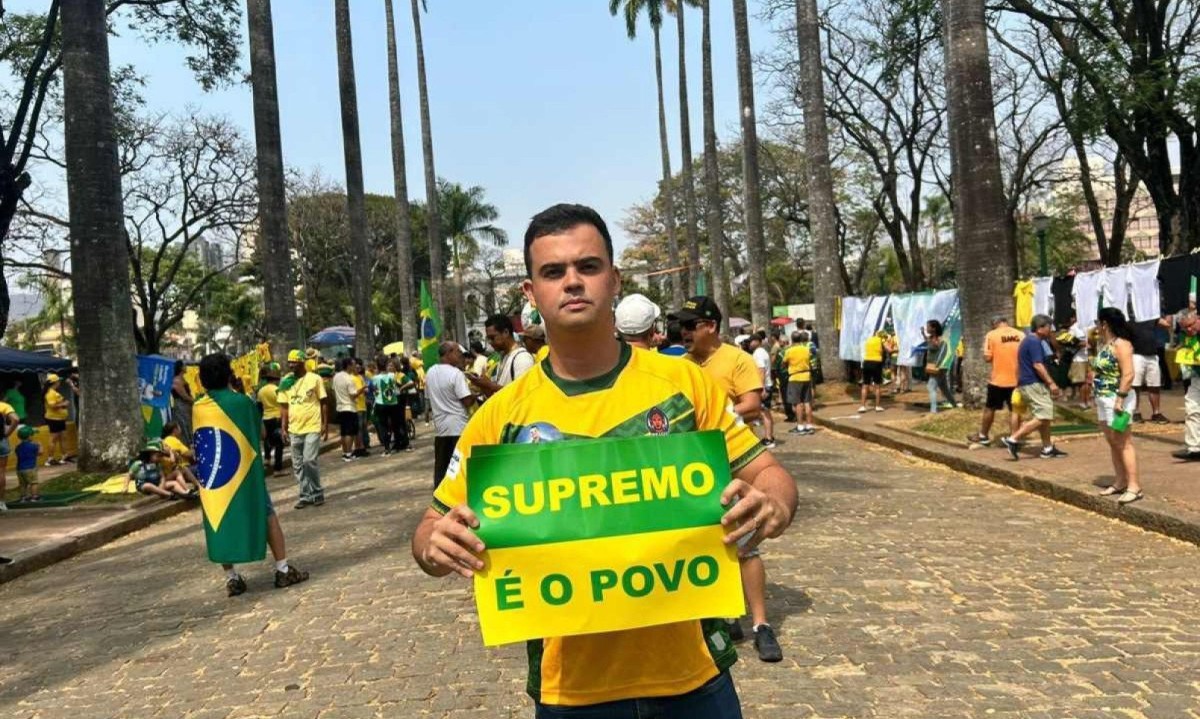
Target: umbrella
<point>781,321</point>
<point>333,336</point>
<point>394,348</point>
<point>738,322</point>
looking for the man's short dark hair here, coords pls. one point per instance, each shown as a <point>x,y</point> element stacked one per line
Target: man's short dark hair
<point>215,372</point>
<point>1040,321</point>
<point>501,323</point>
<point>560,218</point>
<point>935,328</point>
<point>477,347</point>
<point>346,363</point>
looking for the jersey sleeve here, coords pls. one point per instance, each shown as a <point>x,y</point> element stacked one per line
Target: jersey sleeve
<point>461,389</point>
<point>321,393</point>
<point>746,377</point>
<point>480,430</point>
<point>714,410</point>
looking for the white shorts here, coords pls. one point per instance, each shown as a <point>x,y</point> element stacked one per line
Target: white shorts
<point>1146,372</point>
<point>1106,407</point>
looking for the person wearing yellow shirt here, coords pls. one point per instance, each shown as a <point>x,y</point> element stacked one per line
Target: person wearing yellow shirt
<point>11,422</point>
<point>735,372</point>
<point>363,443</point>
<point>56,413</point>
<point>798,359</point>
<point>593,386</point>
<point>268,402</point>
<point>872,369</point>
<point>177,456</point>
<point>304,417</point>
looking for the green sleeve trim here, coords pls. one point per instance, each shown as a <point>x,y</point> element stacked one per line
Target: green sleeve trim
<point>738,464</point>
<point>439,507</point>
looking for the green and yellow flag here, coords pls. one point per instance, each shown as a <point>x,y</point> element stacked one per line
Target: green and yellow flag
<point>233,490</point>
<point>431,329</point>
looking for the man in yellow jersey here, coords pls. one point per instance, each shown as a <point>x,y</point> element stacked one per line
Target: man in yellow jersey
<point>304,416</point>
<point>872,369</point>
<point>593,386</point>
<point>798,360</point>
<point>268,402</point>
<point>734,371</point>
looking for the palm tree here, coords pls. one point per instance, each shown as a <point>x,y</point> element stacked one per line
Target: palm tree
<point>110,419</point>
<point>828,282</point>
<point>714,219</point>
<point>432,221</point>
<point>466,219</point>
<point>360,253</point>
<point>685,151</point>
<point>275,259</point>
<point>654,11</point>
<point>404,264</point>
<point>760,312</point>
<point>985,256</point>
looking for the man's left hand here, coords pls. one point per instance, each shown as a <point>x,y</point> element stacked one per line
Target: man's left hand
<point>754,512</point>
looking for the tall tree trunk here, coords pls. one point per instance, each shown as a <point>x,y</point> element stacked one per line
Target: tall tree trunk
<point>360,253</point>
<point>110,419</point>
<point>828,283</point>
<point>460,304</point>
<point>714,216</point>
<point>432,224</point>
<point>760,311</point>
<point>985,256</point>
<point>685,157</point>
<point>274,250</point>
<point>667,188</point>
<point>404,264</point>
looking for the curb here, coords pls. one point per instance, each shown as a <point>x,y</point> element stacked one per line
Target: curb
<point>136,516</point>
<point>1173,522</point>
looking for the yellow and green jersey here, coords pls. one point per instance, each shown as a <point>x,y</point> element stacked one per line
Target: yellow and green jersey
<point>645,394</point>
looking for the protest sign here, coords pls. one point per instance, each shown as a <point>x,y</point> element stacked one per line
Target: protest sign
<point>590,536</point>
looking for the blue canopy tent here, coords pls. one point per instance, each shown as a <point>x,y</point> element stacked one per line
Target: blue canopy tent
<point>12,360</point>
<point>333,336</point>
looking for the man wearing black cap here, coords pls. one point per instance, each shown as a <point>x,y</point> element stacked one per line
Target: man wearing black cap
<point>737,374</point>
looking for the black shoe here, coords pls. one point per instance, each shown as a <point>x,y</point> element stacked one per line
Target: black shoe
<point>1159,419</point>
<point>1052,453</point>
<point>979,439</point>
<point>302,504</point>
<point>290,577</point>
<point>319,501</point>
<point>1137,417</point>
<point>1014,448</point>
<point>734,628</point>
<point>361,453</point>
<point>235,585</point>
<point>767,646</point>
<point>1186,455</point>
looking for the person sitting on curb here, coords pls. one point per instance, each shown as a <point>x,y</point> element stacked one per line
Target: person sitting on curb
<point>1037,389</point>
<point>147,475</point>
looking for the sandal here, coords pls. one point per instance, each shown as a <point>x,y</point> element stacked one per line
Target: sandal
<point>1129,497</point>
<point>1110,491</point>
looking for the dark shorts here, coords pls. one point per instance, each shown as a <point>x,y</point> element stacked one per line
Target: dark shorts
<point>56,425</point>
<point>716,699</point>
<point>872,373</point>
<point>799,392</point>
<point>348,421</point>
<point>999,397</point>
<point>768,395</point>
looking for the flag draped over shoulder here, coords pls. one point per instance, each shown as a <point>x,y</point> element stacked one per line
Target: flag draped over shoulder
<point>431,328</point>
<point>233,490</point>
<point>953,334</point>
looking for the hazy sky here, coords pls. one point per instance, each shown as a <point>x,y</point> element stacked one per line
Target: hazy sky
<point>539,101</point>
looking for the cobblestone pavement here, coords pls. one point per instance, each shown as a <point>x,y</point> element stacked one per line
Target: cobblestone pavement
<point>903,590</point>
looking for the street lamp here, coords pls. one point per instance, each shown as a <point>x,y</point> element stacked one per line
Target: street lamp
<point>1041,223</point>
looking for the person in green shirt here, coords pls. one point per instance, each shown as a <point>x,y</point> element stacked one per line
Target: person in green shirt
<point>14,398</point>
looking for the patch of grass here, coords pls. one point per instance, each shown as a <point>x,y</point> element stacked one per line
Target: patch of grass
<point>71,482</point>
<point>956,424</point>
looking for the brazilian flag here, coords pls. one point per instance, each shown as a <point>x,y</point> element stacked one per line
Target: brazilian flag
<point>233,489</point>
<point>953,330</point>
<point>431,329</point>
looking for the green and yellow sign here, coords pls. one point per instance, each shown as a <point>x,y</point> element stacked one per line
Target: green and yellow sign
<point>590,536</point>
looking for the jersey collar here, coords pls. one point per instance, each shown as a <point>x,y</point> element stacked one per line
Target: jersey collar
<point>574,387</point>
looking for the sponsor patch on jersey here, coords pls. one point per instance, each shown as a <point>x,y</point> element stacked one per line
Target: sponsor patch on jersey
<point>657,422</point>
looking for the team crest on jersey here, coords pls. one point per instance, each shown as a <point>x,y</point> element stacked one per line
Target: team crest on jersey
<point>539,432</point>
<point>657,422</point>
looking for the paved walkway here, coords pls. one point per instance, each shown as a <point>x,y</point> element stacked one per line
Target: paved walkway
<point>903,590</point>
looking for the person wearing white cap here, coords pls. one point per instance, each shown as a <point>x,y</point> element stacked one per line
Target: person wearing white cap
<point>636,316</point>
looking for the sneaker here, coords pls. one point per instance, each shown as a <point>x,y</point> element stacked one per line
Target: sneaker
<point>387,453</point>
<point>302,504</point>
<point>290,577</point>
<point>862,409</point>
<point>1052,453</point>
<point>769,443</point>
<point>878,409</point>
<point>1137,417</point>
<point>362,453</point>
<point>958,405</point>
<point>1159,419</point>
<point>235,585</point>
<point>319,501</point>
<point>53,462</point>
<point>795,430</point>
<point>1012,447</point>
<point>808,430</point>
<point>1186,454</point>
<point>767,646</point>
<point>979,439</point>
<point>734,627</point>
<point>347,457</point>
<point>3,507</point>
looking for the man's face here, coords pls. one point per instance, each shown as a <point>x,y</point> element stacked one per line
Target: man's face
<point>697,330</point>
<point>573,282</point>
<point>1191,326</point>
<point>296,366</point>
<point>500,341</point>
<point>1044,332</point>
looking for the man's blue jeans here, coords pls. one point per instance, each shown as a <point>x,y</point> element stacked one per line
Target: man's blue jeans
<point>715,700</point>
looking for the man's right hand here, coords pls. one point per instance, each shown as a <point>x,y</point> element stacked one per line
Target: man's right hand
<point>446,543</point>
